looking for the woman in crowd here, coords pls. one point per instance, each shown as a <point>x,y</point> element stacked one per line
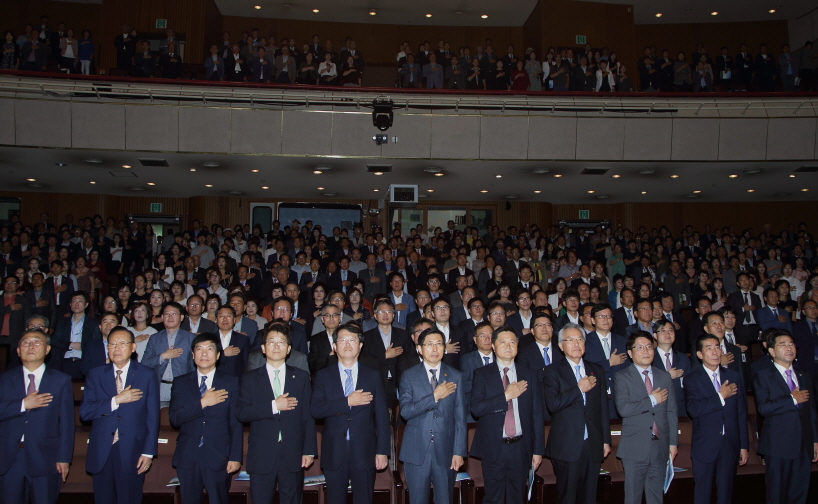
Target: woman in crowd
<point>141,330</point>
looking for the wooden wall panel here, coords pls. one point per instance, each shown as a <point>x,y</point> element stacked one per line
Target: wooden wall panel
<point>76,15</point>
<point>377,42</point>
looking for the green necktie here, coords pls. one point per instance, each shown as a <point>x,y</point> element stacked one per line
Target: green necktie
<point>277,392</point>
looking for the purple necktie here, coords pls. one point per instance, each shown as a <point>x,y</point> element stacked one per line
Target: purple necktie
<point>668,366</point>
<point>509,426</point>
<point>649,387</point>
<point>31,388</point>
<point>790,383</point>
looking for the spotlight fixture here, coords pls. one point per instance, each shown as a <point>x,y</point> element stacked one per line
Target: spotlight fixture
<point>151,183</point>
<point>696,192</point>
<point>658,14</point>
<point>485,16</point>
<point>382,115</point>
<point>316,11</point>
<point>733,176</point>
<point>537,192</point>
<point>674,176</point>
<point>61,164</point>
<point>318,170</point>
<point>714,13</point>
<point>208,185</point>
<point>372,12</point>
<point>92,182</point>
<point>428,15</point>
<point>193,169</point>
<point>616,176</point>
<point>257,7</point>
<point>804,190</point>
<point>31,180</point>
<point>591,191</point>
<point>438,174</point>
<point>254,171</point>
<point>427,190</point>
<point>484,191</point>
<point>265,187</point>
<point>644,192</point>
<point>771,11</point>
<point>378,173</point>
<point>557,175</point>
<point>376,190</point>
<point>320,188</point>
<point>792,176</point>
<point>126,166</point>
<point>751,190</point>
<point>498,176</point>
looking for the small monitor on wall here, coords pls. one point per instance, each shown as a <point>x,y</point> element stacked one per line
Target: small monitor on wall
<point>404,196</point>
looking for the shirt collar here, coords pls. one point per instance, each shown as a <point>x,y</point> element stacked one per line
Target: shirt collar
<point>124,369</point>
<point>38,373</point>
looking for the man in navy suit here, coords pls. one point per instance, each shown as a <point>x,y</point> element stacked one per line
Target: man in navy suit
<point>544,352</point>
<point>789,434</point>
<point>275,401</point>
<point>523,319</point>
<point>483,356</point>
<point>746,304</point>
<point>580,435</point>
<point>730,354</point>
<point>454,336</point>
<point>121,400</point>
<point>37,425</point>
<point>771,316</point>
<point>404,303</point>
<point>606,349</point>
<point>351,400</point>
<point>625,315</point>
<point>805,334</point>
<point>73,337</point>
<point>509,437</point>
<point>243,324</point>
<point>716,402</point>
<point>167,353</point>
<point>675,363</point>
<point>97,353</point>
<point>235,346</point>
<point>432,402</point>
<point>387,343</point>
<point>60,288</point>
<point>203,408</point>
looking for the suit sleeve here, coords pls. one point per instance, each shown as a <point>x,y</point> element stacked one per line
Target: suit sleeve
<point>151,356</point>
<point>557,399</point>
<point>539,421</point>
<point>483,405</point>
<point>626,405</point>
<point>769,405</point>
<point>412,404</point>
<point>95,404</point>
<point>247,410</point>
<point>698,403</point>
<point>741,402</point>
<point>460,444</point>
<point>151,398</point>
<point>320,406</point>
<point>382,424</point>
<point>672,413</point>
<point>184,407</point>
<point>236,435</point>
<point>310,443</point>
<point>66,422</point>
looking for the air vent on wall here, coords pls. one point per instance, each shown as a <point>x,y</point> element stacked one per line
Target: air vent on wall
<point>122,173</point>
<point>371,168</point>
<point>153,162</point>
<point>594,171</point>
<point>806,169</point>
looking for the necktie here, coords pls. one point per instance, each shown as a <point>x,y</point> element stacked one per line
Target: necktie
<point>668,365</point>
<point>119,388</point>
<point>630,316</point>
<point>509,427</point>
<point>716,383</point>
<point>31,389</point>
<point>746,313</point>
<point>486,360</point>
<point>433,380</point>
<point>775,312</point>
<point>277,392</point>
<point>649,387</point>
<point>790,383</point>
<point>607,346</point>
<point>579,377</point>
<point>669,316</point>
<point>203,386</point>
<point>729,338</point>
<point>545,356</point>
<point>56,286</point>
<point>348,388</point>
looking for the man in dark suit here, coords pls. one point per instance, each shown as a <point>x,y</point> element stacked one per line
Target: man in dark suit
<point>37,423</point>
<point>647,404</point>
<point>805,335</point>
<point>282,309</point>
<point>351,400</point>
<point>571,302</point>
<point>203,408</point>
<point>677,364</point>
<point>275,400</point>
<point>235,346</point>
<point>432,403</point>
<point>125,47</point>
<point>386,343</point>
<point>745,304</point>
<point>194,322</point>
<point>97,353</point>
<point>454,336</point>
<point>121,400</point>
<point>644,317</point>
<point>59,288</point>
<point>607,349</point>
<point>626,314</point>
<point>39,301</point>
<point>412,358</point>
<point>789,434</point>
<point>482,356</point>
<point>410,73</point>
<point>771,316</point>
<point>313,276</point>
<point>716,402</point>
<point>403,302</point>
<point>580,435</point>
<point>73,337</point>
<point>343,277</point>
<point>374,279</point>
<point>509,437</point>
<point>14,310</point>
<point>695,328</point>
<point>544,352</point>
<point>167,353</point>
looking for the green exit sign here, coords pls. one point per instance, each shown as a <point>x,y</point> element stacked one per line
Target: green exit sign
<point>162,23</point>
<point>580,39</point>
<point>584,214</point>
<point>157,208</point>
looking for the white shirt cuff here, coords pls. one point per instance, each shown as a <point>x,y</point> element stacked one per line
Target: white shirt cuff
<point>114,405</point>
<point>275,408</point>
<point>23,406</point>
<point>146,455</point>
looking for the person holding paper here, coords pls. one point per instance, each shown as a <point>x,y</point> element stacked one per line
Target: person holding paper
<point>433,405</point>
<point>580,435</point>
<point>646,401</point>
<point>715,400</point>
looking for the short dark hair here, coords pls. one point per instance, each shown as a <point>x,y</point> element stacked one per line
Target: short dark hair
<point>352,327</point>
<point>278,327</point>
<point>771,335</point>
<point>707,316</point>
<point>502,329</point>
<point>704,337</point>
<point>636,335</point>
<point>570,293</point>
<point>427,332</point>
<point>600,307</point>
<point>206,337</point>
<point>120,328</point>
<point>419,322</point>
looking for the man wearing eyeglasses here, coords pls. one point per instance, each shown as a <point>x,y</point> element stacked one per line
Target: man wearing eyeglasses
<point>607,349</point>
<point>580,435</point>
<point>167,351</point>
<point>235,346</point>
<point>386,343</point>
<point>453,335</point>
<point>522,320</point>
<point>321,343</point>
<point>275,401</point>
<point>675,363</point>
<point>646,401</point>
<point>13,313</point>
<point>38,425</point>
<point>351,400</point>
<point>194,322</point>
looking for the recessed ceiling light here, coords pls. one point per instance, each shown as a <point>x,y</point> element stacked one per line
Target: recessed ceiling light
<point>372,12</point>
<point>208,185</point>
<point>483,191</point>
<point>254,171</point>
<point>696,192</point>
<point>458,11</point>
<point>433,169</point>
<point>485,16</point>
<point>38,186</point>
<point>658,14</point>
<point>31,180</point>
<point>557,175</point>
<point>151,183</point>
<point>714,13</point>
<point>644,192</point>
<point>752,171</point>
<point>94,160</point>
<point>126,166</point>
<point>540,171</point>
<point>237,193</point>
<point>428,15</point>
<point>591,191</point>
<point>733,176</point>
<point>430,190</point>
<point>316,11</point>
<point>317,172</point>
<point>320,188</point>
<point>137,188</point>
<point>92,182</point>
<point>498,176</point>
<point>193,169</point>
<point>378,173</point>
<point>792,176</point>
<point>602,196</point>
<point>615,176</point>
<point>771,11</point>
<point>438,174</point>
<point>257,7</point>
<point>376,190</point>
<point>330,194</point>
<point>537,192</point>
<point>674,176</point>
<point>60,164</point>
<point>647,171</point>
<point>751,190</point>
<point>804,190</point>
<point>265,187</point>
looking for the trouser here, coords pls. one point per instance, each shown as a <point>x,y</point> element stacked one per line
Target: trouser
<point>363,482</point>
<point>788,479</point>
<point>290,486</point>
<point>283,78</point>
<point>17,487</point>
<point>577,481</point>
<point>431,471</point>
<point>504,479</point>
<point>721,472</point>
<point>86,67</point>
<point>646,476</point>
<point>788,82</point>
<point>112,484</point>
<point>194,479</point>
<point>69,63</point>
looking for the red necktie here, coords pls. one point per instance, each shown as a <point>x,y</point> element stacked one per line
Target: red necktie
<point>509,427</point>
